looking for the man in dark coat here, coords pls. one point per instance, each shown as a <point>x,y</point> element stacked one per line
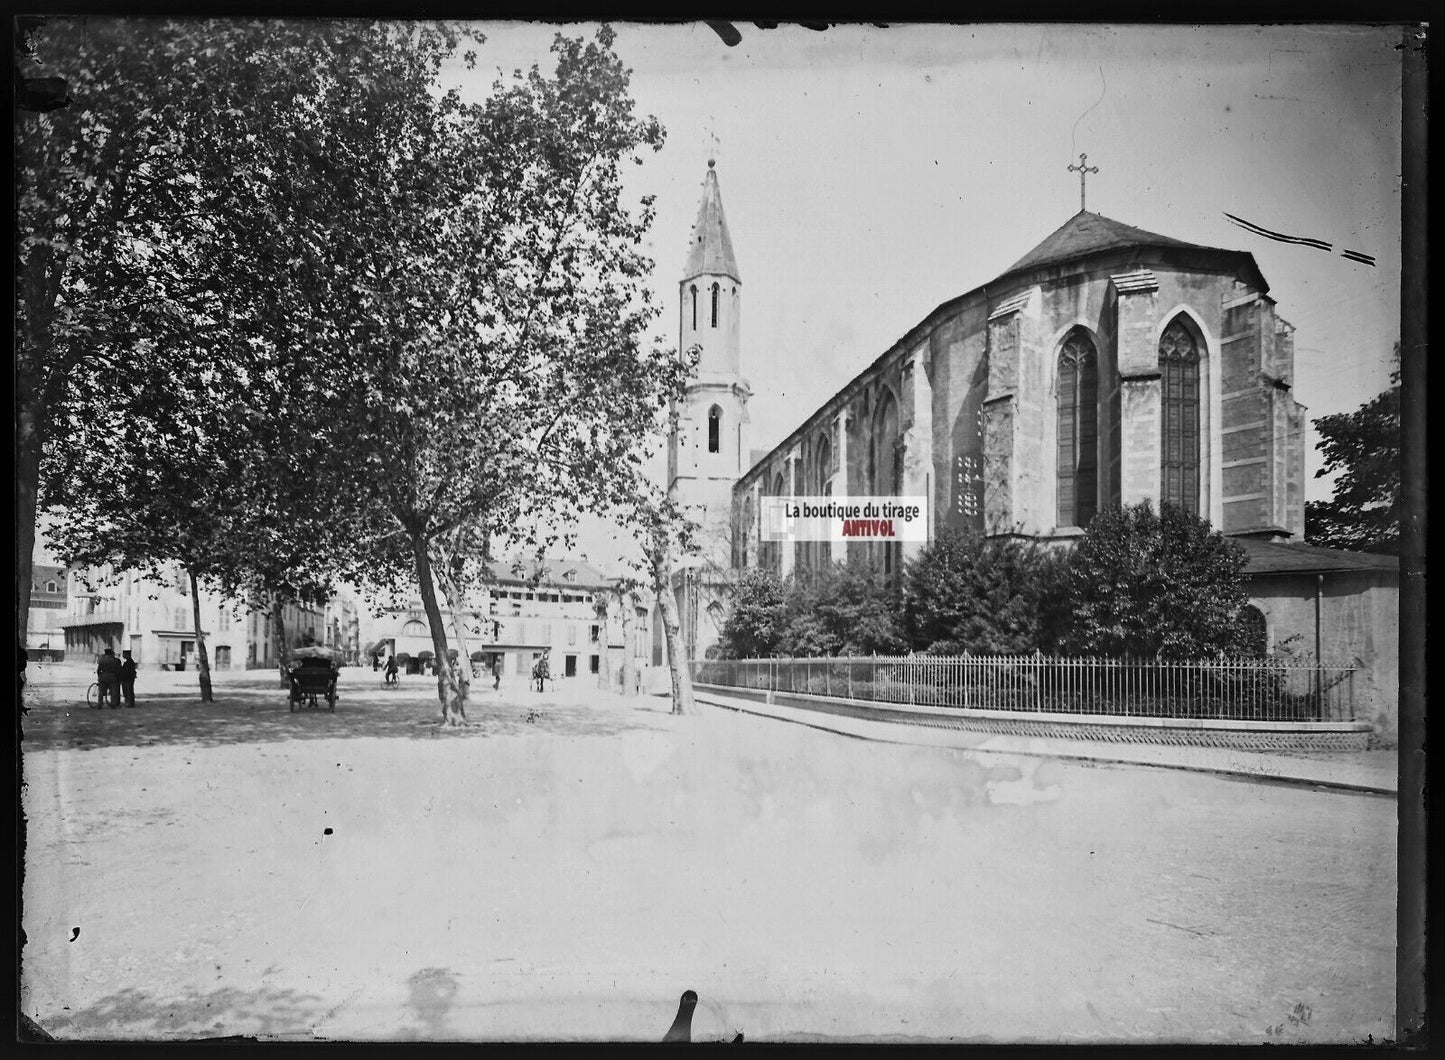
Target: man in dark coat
<point>107,675</point>
<point>127,678</point>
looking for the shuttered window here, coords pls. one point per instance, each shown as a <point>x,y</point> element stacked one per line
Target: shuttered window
<point>1078,484</point>
<point>1179,385</point>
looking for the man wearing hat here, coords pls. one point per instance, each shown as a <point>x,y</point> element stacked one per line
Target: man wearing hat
<point>127,678</point>
<point>107,675</point>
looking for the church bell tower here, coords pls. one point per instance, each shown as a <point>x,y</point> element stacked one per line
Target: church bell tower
<point>705,452</point>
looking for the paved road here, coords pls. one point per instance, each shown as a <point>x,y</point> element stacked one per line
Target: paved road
<point>570,875</point>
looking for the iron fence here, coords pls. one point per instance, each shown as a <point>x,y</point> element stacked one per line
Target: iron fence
<point>1230,689</point>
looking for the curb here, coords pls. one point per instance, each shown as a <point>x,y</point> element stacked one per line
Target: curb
<point>1335,785</point>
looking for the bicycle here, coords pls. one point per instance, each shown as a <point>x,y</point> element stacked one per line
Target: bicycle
<point>92,694</point>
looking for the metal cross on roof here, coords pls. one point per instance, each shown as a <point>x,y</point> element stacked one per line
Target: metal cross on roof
<point>1082,168</point>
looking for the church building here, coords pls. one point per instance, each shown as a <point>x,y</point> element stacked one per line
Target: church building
<point>1106,366</point>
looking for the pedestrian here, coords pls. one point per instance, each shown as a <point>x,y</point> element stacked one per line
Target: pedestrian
<point>496,674</point>
<point>127,678</point>
<point>107,675</point>
<point>391,669</point>
<point>376,662</point>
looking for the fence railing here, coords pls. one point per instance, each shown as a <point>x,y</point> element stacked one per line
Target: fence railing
<point>1228,689</point>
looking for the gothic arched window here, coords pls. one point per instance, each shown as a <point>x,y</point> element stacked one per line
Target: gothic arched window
<point>749,531</point>
<point>694,307</point>
<point>823,486</point>
<point>885,473</point>
<point>714,304</point>
<point>714,429</point>
<point>775,548</point>
<point>1078,471</point>
<point>884,458</point>
<point>1179,429</point>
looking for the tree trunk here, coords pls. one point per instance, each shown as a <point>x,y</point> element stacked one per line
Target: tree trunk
<point>203,659</point>
<point>451,588</point>
<point>629,649</point>
<point>27,486</point>
<point>677,663</point>
<point>278,636</point>
<point>454,708</point>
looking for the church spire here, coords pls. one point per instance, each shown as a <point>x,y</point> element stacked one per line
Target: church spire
<point>710,250</point>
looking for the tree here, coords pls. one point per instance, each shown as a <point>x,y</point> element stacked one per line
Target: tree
<point>965,594</point>
<point>668,540</point>
<point>467,282</point>
<point>111,206</point>
<point>1363,447</point>
<point>155,479</point>
<point>842,609</point>
<point>757,615</point>
<point>460,327</point>
<point>1142,583</point>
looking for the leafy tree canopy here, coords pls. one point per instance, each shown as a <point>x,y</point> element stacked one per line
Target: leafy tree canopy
<point>1363,447</point>
<point>1143,583</point>
<point>757,617</point>
<point>843,609</point>
<point>965,594</point>
<point>430,314</point>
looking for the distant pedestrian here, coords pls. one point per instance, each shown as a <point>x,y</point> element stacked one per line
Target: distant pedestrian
<point>127,678</point>
<point>496,674</point>
<point>375,663</point>
<point>107,675</point>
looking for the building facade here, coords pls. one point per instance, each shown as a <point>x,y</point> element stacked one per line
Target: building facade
<point>154,619</point>
<point>44,633</point>
<point>567,610</point>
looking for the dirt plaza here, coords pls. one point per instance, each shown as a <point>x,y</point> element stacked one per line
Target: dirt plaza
<point>568,864</point>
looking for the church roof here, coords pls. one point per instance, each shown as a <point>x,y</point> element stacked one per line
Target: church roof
<point>1278,557</point>
<point>1089,233</point>
<point>710,248</point>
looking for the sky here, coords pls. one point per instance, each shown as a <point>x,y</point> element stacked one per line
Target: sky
<point>870,174</point>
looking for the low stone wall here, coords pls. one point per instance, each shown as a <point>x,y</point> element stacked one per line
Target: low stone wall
<point>1235,735</point>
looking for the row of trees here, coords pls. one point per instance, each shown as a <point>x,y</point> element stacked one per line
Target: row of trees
<point>292,312</point>
<point>1139,583</point>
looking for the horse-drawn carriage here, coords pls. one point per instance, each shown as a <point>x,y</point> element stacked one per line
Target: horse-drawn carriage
<point>313,674</point>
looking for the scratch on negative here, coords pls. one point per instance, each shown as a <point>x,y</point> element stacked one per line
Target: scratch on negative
<point>1179,927</point>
